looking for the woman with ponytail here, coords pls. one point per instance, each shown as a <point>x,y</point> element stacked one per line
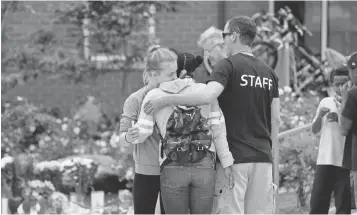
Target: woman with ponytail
<point>191,138</point>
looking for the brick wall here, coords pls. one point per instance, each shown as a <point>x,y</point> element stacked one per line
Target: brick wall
<point>20,24</point>
<point>245,8</point>
<point>181,30</point>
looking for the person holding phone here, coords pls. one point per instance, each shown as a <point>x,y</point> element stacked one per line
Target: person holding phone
<point>333,167</point>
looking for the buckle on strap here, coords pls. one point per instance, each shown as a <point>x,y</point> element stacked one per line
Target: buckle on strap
<point>200,148</point>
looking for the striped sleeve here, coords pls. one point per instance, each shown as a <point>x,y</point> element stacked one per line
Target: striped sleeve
<point>130,113</point>
<point>216,115</point>
<point>218,126</point>
<point>145,122</point>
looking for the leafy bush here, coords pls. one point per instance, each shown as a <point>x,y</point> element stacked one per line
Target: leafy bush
<point>31,131</point>
<point>298,153</point>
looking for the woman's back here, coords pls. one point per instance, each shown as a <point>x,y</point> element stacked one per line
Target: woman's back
<point>178,86</point>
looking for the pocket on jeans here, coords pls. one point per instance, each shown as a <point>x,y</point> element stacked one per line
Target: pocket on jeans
<point>173,177</point>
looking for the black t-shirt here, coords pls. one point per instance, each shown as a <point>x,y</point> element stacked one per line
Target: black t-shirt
<point>249,88</point>
<point>350,112</point>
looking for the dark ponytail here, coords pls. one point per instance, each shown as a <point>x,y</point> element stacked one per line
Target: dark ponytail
<point>187,61</point>
<point>198,60</point>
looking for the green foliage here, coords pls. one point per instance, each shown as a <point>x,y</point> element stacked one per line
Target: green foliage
<point>116,27</point>
<point>38,145</point>
<point>298,153</point>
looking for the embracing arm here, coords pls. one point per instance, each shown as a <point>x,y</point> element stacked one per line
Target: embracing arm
<point>317,121</point>
<point>145,122</point>
<point>218,80</point>
<point>218,126</point>
<point>201,97</point>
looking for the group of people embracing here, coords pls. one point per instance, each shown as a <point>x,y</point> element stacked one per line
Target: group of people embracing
<point>203,139</point>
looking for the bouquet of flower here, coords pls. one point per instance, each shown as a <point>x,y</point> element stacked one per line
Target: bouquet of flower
<point>41,190</point>
<point>125,201</point>
<point>58,203</point>
<point>36,197</point>
<point>49,171</point>
<point>79,171</point>
<point>7,175</point>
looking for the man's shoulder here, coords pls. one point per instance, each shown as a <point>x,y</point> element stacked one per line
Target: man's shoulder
<point>225,62</point>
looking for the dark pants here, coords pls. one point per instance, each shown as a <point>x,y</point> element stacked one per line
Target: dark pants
<point>188,187</point>
<point>145,191</point>
<point>330,179</point>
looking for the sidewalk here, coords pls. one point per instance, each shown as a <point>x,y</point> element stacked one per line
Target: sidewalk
<point>333,211</point>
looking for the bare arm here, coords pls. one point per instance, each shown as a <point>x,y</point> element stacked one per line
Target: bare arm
<point>201,97</point>
<point>275,119</point>
<point>218,126</point>
<point>316,125</point>
<point>218,81</point>
<point>317,121</point>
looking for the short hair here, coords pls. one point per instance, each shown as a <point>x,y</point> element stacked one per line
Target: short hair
<point>246,28</point>
<point>352,61</point>
<point>340,71</point>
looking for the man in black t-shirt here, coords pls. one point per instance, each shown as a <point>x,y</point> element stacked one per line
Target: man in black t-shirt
<point>348,118</point>
<point>247,91</point>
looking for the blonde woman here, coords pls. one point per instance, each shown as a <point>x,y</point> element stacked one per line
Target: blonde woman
<point>146,185</point>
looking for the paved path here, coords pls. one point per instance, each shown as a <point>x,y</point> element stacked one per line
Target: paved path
<point>333,211</point>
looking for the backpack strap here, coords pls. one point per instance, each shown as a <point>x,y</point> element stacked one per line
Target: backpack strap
<point>161,139</point>
<point>166,161</point>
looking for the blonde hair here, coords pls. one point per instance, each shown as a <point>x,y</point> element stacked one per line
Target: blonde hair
<point>156,56</point>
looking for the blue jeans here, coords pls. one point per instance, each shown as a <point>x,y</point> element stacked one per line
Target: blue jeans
<point>188,187</point>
